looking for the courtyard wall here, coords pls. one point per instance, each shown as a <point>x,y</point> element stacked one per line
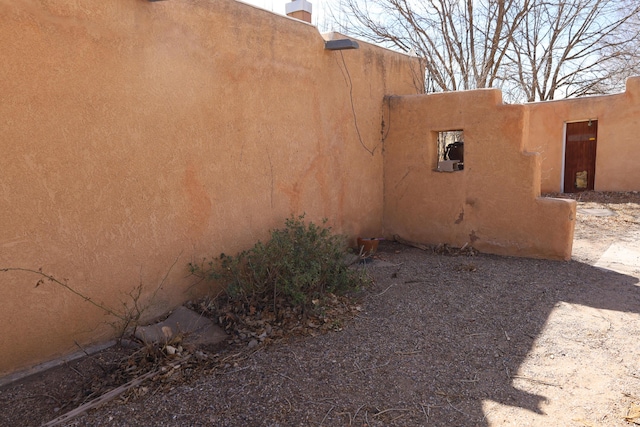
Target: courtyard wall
<point>494,203</point>
<point>618,142</point>
<point>139,136</point>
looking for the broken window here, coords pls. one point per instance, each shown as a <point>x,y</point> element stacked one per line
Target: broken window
<point>450,151</point>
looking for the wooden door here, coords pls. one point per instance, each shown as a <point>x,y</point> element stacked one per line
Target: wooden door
<point>580,156</point>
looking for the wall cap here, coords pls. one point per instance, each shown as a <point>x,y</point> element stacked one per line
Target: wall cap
<point>297,5</point>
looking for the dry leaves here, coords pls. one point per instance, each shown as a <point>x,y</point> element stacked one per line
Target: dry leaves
<point>633,414</point>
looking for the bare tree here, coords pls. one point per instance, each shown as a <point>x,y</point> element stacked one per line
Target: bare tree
<point>573,48</point>
<point>532,49</point>
<point>625,60</point>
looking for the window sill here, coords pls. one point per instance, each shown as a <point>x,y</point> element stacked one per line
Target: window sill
<point>450,166</point>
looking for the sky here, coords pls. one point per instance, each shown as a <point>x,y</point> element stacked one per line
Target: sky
<point>276,6</point>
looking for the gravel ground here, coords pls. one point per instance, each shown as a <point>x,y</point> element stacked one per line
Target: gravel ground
<point>437,340</point>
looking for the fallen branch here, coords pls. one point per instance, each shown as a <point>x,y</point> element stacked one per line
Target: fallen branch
<point>357,410</point>
<point>102,399</point>
<point>383,292</point>
<point>389,410</point>
<point>113,394</point>
<point>456,409</point>
<point>407,353</point>
<point>290,405</point>
<point>426,415</point>
<point>362,370</point>
<point>410,243</point>
<point>284,376</point>
<point>326,415</point>
<point>536,381</point>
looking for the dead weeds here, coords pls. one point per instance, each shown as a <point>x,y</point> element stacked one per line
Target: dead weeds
<point>436,340</point>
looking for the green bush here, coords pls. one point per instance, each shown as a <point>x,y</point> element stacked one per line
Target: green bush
<point>299,264</point>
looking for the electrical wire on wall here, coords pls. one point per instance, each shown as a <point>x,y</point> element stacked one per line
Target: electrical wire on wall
<point>353,110</point>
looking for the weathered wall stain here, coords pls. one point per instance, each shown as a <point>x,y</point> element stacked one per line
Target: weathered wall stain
<point>134,133</point>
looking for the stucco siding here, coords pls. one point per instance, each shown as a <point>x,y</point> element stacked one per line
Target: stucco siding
<point>618,145</point>
<point>493,204</point>
<point>137,134</point>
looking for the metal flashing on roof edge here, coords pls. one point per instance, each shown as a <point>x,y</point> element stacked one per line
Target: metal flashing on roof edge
<point>341,44</point>
<point>298,6</point>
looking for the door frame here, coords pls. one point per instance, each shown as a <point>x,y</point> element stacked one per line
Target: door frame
<point>564,149</point>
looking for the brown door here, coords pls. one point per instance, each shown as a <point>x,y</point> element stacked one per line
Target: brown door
<point>580,156</point>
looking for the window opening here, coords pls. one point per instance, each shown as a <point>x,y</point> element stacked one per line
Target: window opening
<point>450,151</point>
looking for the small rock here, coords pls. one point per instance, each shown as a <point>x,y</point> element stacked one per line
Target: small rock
<point>253,343</point>
<point>199,329</point>
<point>171,350</point>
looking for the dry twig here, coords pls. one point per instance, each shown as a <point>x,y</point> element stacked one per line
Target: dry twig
<point>407,353</point>
<point>362,370</point>
<point>383,292</point>
<point>107,396</point>
<point>536,381</point>
<point>389,410</point>
<point>326,415</point>
<point>410,243</point>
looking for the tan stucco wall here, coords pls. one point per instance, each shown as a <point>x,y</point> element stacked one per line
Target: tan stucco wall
<point>136,133</point>
<point>493,204</point>
<point>618,146</point>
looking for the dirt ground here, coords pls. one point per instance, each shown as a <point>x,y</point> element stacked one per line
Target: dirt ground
<point>438,340</point>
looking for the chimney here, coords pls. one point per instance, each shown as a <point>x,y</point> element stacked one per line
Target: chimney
<point>299,9</point>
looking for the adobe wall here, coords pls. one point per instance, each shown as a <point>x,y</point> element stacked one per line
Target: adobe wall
<point>139,136</point>
<point>493,204</point>
<point>618,146</point>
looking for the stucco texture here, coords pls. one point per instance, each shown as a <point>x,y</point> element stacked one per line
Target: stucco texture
<point>493,204</point>
<point>618,145</point>
<point>139,136</point>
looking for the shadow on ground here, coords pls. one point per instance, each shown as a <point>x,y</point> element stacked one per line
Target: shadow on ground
<point>470,323</point>
<point>438,337</point>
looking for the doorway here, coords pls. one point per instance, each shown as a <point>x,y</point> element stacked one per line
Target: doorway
<point>580,156</point>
